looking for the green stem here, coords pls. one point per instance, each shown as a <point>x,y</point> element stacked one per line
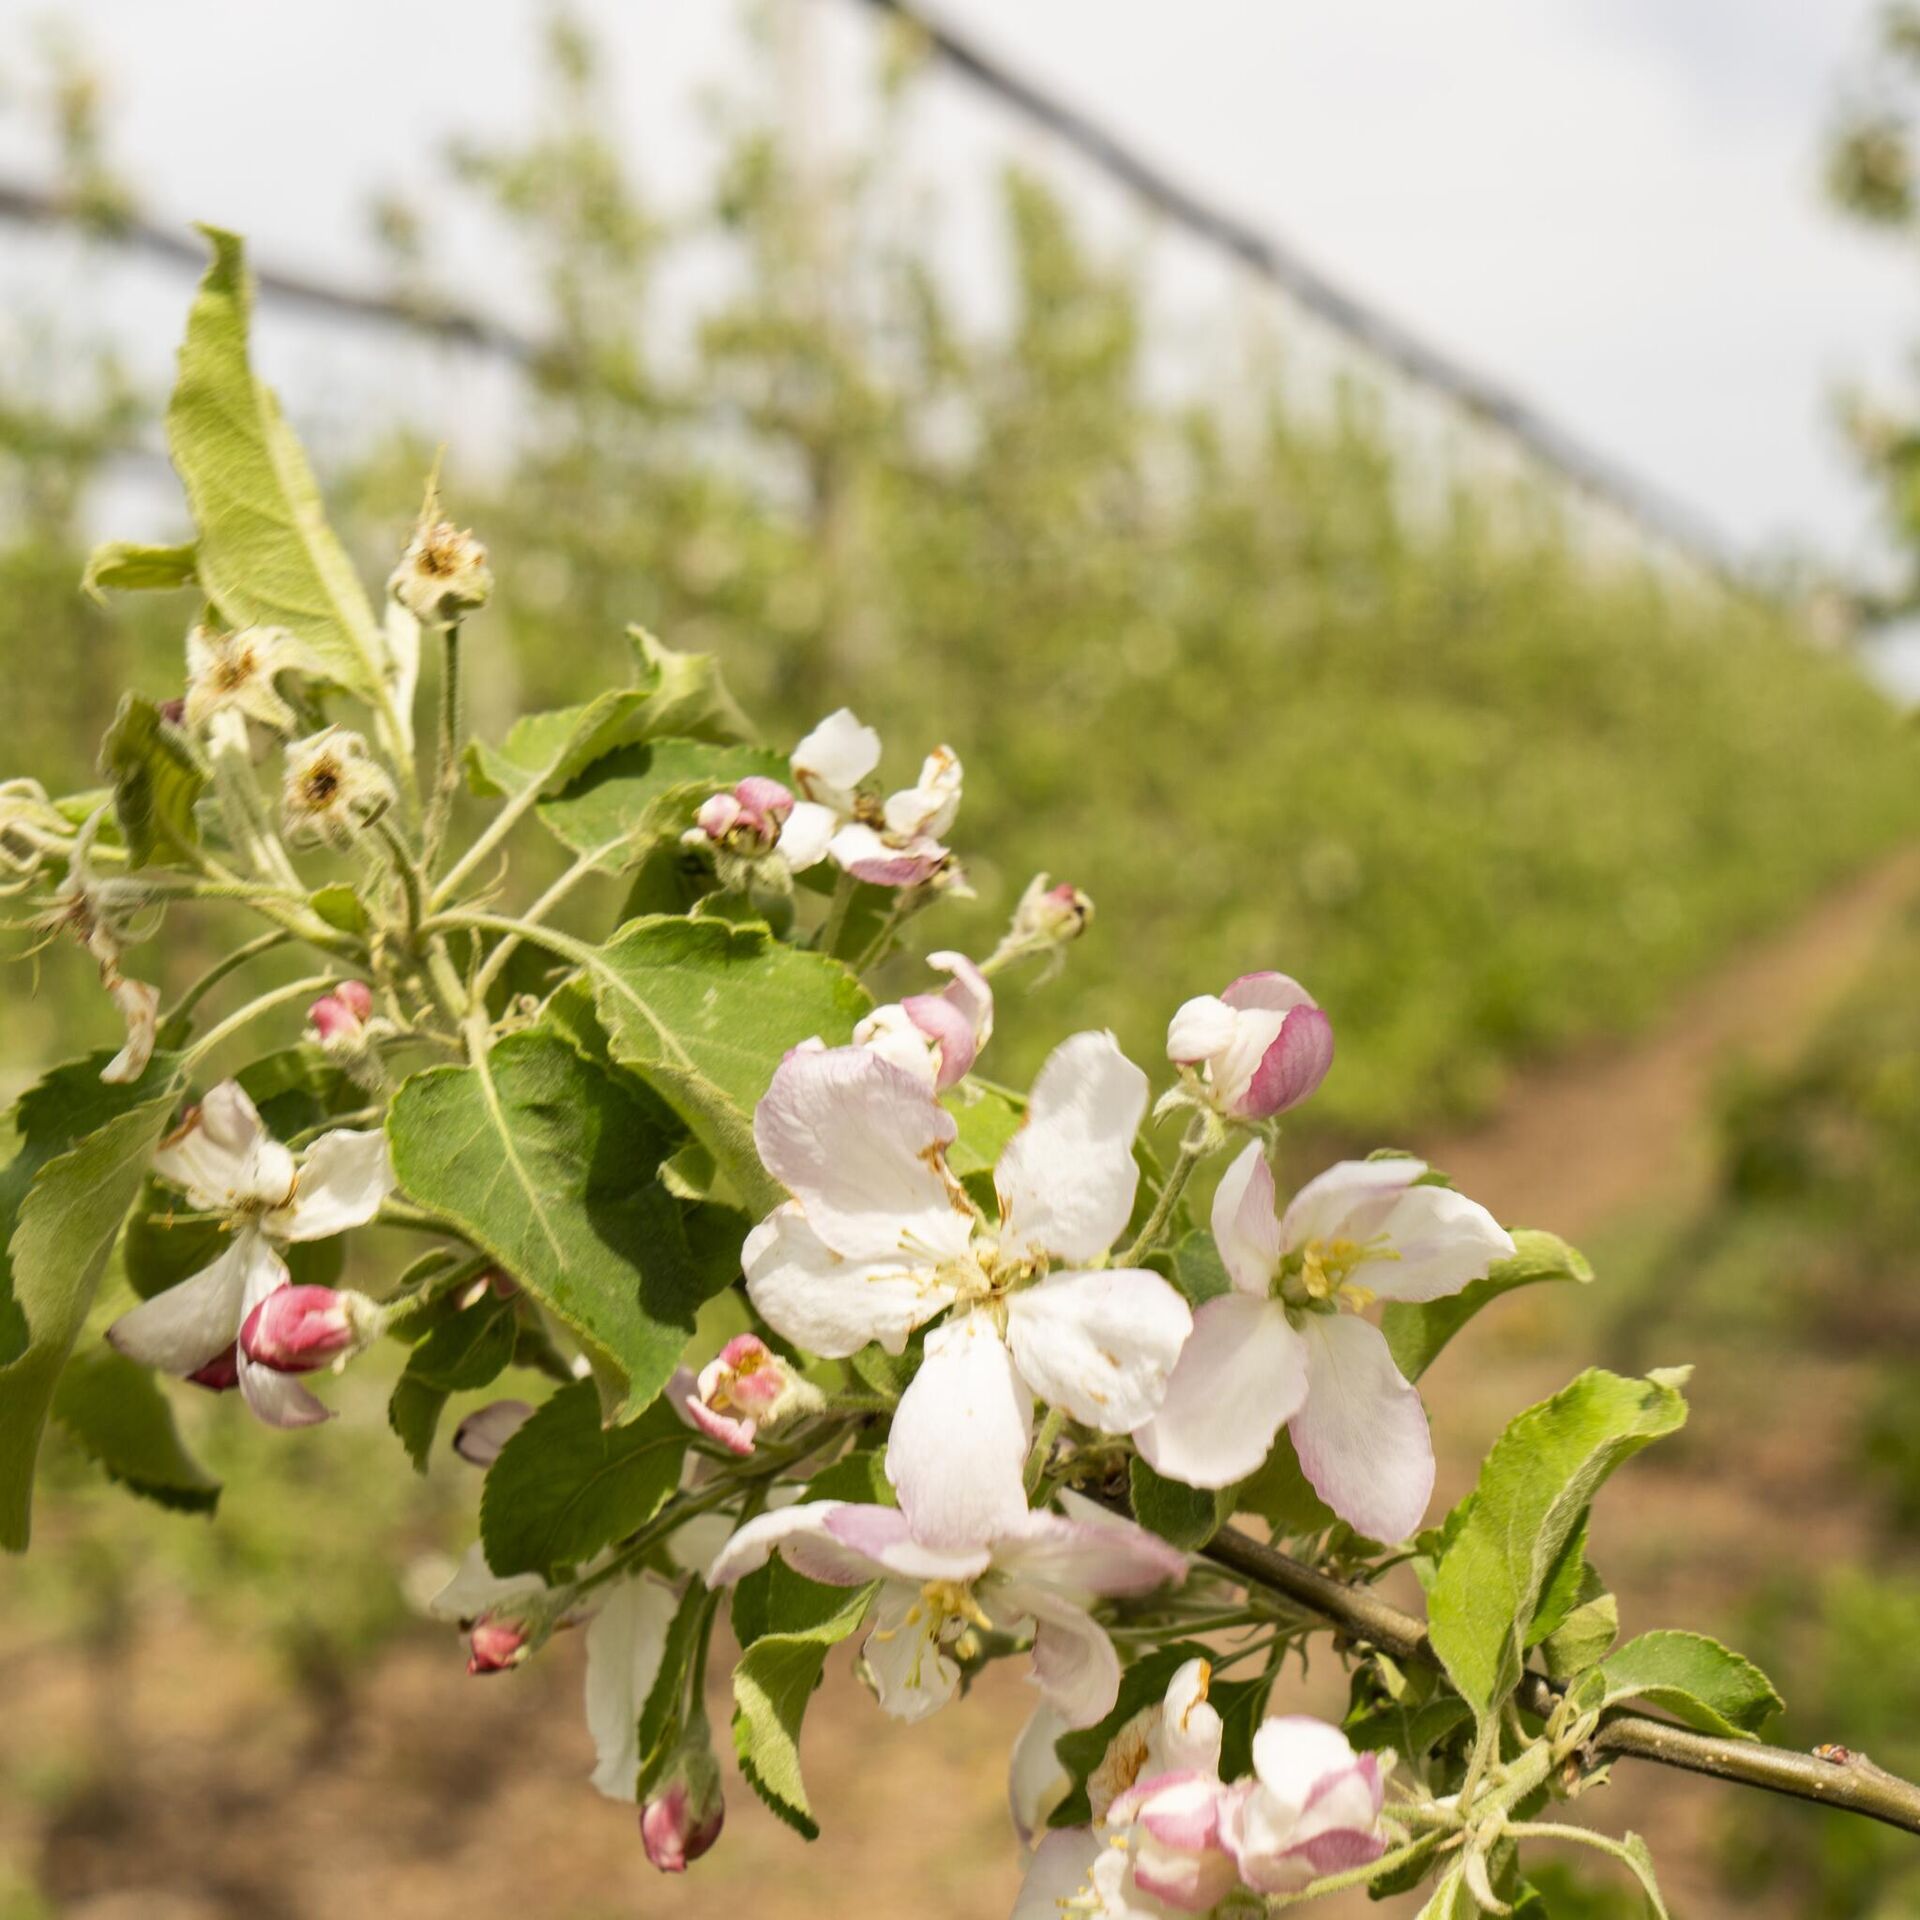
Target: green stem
<point>1192,1151</point>
<point>1051,1429</point>
<point>835,924</point>
<point>447,774</point>
<point>882,941</point>
<point>503,952</point>
<point>1359,1876</point>
<point>277,997</point>
<point>497,829</point>
<point>406,873</point>
<point>237,959</point>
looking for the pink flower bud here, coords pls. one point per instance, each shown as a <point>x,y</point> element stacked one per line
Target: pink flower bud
<point>1052,915</point>
<point>747,1386</point>
<point>764,805</point>
<point>356,996</point>
<point>480,1436</point>
<point>299,1329</point>
<point>340,1017</point>
<point>718,817</point>
<point>221,1374</point>
<point>1263,1046</point>
<point>497,1646</point>
<point>683,1816</point>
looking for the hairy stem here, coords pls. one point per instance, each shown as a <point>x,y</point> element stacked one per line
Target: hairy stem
<point>237,959</point>
<point>1192,1150</point>
<point>447,777</point>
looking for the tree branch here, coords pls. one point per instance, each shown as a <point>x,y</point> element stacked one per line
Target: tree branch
<point>1829,1776</point>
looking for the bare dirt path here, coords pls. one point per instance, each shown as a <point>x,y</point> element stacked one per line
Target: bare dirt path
<point>438,1798</point>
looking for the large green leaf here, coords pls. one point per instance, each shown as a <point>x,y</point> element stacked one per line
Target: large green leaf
<point>1692,1677</point>
<point>1187,1517</point>
<point>266,556</point>
<point>565,1486</point>
<point>1416,1333</point>
<point>772,1685</point>
<point>548,1162</point>
<point>689,693</point>
<point>118,1416</point>
<point>156,781</point>
<point>84,1150</point>
<point>629,798</point>
<point>705,1011</point>
<point>1534,1487</point>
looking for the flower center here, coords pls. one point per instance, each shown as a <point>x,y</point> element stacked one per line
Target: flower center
<point>322,784</point>
<point>1316,1276</point>
<point>236,670</point>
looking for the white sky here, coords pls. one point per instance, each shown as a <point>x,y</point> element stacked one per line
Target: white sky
<point>1608,206</point>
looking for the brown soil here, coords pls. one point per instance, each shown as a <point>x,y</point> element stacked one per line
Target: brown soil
<point>215,1796</point>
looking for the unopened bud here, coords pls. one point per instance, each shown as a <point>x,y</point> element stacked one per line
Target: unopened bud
<point>746,1387</point>
<point>497,1645</point>
<point>749,818</point>
<point>301,1329</point>
<point>443,575</point>
<point>1051,915</point>
<point>340,1017</point>
<point>683,1815</point>
<point>1254,1051</point>
<point>480,1436</point>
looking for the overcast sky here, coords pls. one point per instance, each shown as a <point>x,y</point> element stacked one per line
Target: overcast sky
<point>1608,206</point>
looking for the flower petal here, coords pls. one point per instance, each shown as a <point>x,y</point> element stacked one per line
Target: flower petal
<point>625,1642</point>
<point>476,1589</point>
<point>912,1674</point>
<point>861,851</point>
<point>1362,1436</point>
<point>212,1152</point>
<point>854,1140</point>
<point>1200,1028</point>
<point>1240,1378</point>
<point>344,1177</point>
<point>805,835</point>
<point>139,1006</point>
<point>1295,1061</point>
<point>799,1534</point>
<point>1349,1201</point>
<point>833,1307</point>
<point>1297,1757</point>
<point>1100,1344</point>
<point>1074,1664</point>
<point>958,1448</point>
<point>1443,1241</point>
<point>1067,1179</point>
<point>884,1536</point>
<point>180,1330</point>
<point>1105,1557</point>
<point>1246,1226</point>
<point>1062,1870</point>
<point>834,758</point>
<point>1037,1781</point>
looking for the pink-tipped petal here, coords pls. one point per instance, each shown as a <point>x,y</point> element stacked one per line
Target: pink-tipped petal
<point>1362,1435</point>
<point>1101,1344</point>
<point>480,1436</point>
<point>1294,1064</point>
<point>1246,1227</point>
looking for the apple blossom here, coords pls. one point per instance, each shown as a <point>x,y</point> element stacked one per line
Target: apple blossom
<point>1040,1574</point>
<point>333,787</point>
<point>1046,921</point>
<point>229,1164</point>
<point>339,1017</point>
<point>880,1238</point>
<point>759,835</point>
<point>1259,1048</point>
<point>480,1436</point>
<point>1278,1349</point>
<point>443,575</point>
<point>231,675</point>
<point>1313,1807</point>
<point>935,1036</point>
<point>746,1387</point>
<point>895,843</point>
<point>505,1616</point>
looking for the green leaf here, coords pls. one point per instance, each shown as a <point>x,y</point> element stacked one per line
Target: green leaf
<point>1584,1636</point>
<point>689,693</point>
<point>84,1151</point>
<point>470,1348</point>
<point>156,781</point>
<point>772,1685</point>
<point>1195,1268</point>
<point>1280,1494</point>
<point>1533,1489</point>
<point>627,799</point>
<point>705,1012</point>
<point>987,1117</point>
<point>1695,1679</point>
<point>547,1162</point>
<point>117,1415</point>
<point>266,556</point>
<point>1560,1590</point>
<point>128,566</point>
<point>340,906</point>
<point>1417,1333</point>
<point>1186,1517</point>
<point>565,1486</point>
<point>662,1721</point>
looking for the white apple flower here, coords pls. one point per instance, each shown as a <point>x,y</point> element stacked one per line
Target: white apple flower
<point>880,1238</point>
<point>1259,1048</point>
<point>443,575</point>
<point>895,843</point>
<point>229,1164</point>
<point>1040,1574</point>
<point>935,1036</point>
<point>230,679</point>
<point>1278,1350</point>
<point>333,787</point>
<point>1312,1808</point>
